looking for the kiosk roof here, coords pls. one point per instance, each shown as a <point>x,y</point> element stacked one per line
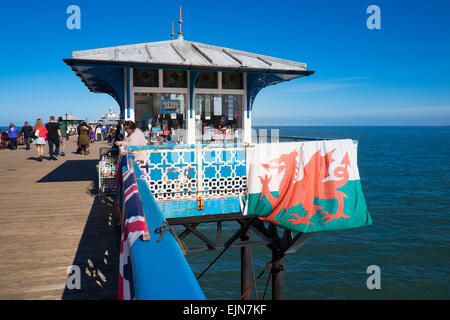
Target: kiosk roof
<point>187,54</point>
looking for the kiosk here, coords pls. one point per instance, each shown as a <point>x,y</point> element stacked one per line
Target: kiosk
<point>195,101</point>
<point>182,91</point>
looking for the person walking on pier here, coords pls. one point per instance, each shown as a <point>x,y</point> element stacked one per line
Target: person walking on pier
<point>26,133</point>
<point>63,130</point>
<point>98,133</point>
<point>92,133</point>
<point>40,134</point>
<point>104,131</point>
<point>13,134</point>
<point>53,138</point>
<point>83,138</point>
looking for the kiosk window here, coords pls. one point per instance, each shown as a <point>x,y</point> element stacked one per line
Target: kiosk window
<point>232,80</point>
<point>163,112</point>
<point>175,78</point>
<point>218,117</point>
<point>145,78</point>
<point>207,80</point>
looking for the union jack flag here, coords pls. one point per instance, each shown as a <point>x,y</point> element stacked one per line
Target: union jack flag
<point>133,225</point>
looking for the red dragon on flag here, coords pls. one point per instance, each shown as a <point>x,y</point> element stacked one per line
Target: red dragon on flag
<point>311,186</point>
<point>318,185</point>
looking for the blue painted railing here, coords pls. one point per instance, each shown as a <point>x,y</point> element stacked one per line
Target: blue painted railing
<point>192,180</point>
<point>160,270</point>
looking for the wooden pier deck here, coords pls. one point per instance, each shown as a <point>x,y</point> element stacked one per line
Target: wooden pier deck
<point>50,219</point>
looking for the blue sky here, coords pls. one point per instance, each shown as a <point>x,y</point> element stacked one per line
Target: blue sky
<point>398,75</point>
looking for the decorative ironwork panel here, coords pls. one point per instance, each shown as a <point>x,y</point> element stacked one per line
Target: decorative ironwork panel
<point>224,172</point>
<point>193,173</point>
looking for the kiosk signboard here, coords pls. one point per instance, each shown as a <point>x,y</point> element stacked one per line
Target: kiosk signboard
<point>170,106</point>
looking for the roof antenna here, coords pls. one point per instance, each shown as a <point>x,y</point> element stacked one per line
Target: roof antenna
<point>180,33</point>
<point>172,34</point>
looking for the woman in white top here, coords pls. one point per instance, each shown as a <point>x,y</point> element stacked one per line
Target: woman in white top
<point>98,133</point>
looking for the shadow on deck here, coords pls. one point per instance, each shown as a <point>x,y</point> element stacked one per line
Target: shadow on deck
<point>85,171</point>
<point>97,255</point>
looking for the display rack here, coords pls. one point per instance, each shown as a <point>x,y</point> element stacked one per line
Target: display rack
<point>107,169</point>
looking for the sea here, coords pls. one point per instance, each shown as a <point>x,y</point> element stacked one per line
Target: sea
<point>405,175</point>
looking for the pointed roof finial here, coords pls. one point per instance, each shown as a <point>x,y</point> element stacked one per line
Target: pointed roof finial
<point>180,33</point>
<point>172,34</point>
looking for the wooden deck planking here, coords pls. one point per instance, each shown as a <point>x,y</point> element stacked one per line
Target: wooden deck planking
<point>50,219</point>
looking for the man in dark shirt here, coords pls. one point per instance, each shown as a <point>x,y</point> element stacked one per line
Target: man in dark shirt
<point>53,138</point>
<point>26,133</point>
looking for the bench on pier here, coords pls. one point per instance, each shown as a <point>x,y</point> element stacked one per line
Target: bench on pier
<point>4,141</point>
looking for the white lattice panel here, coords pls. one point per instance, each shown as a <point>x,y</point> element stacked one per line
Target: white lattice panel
<point>186,174</point>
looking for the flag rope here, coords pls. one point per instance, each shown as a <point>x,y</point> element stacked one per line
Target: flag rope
<point>268,265</point>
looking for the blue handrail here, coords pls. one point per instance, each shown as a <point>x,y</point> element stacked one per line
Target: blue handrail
<point>160,270</point>
<point>186,146</point>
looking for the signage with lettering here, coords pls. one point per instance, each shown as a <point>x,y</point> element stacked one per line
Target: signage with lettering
<point>170,106</point>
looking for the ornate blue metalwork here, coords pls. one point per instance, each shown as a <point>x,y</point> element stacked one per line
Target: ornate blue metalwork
<point>107,79</point>
<point>191,173</point>
<point>255,82</point>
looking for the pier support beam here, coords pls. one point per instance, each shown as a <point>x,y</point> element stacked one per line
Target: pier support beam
<point>278,266</point>
<point>245,269</point>
<point>266,234</point>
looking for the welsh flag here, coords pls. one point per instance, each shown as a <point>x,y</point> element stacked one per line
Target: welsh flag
<point>306,186</point>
